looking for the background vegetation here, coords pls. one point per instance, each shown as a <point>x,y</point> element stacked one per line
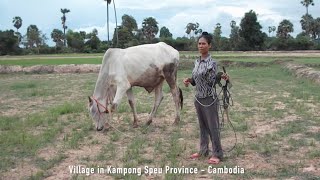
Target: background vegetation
<point>243,37</point>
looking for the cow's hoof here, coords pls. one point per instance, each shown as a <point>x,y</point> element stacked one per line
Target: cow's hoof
<point>176,123</point>
<point>135,125</point>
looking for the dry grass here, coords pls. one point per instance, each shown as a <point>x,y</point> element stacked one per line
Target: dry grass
<point>276,118</point>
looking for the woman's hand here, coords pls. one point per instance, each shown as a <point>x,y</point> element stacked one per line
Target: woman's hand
<point>186,81</point>
<point>225,76</point>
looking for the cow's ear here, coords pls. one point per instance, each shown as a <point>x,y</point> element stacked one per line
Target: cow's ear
<point>90,101</point>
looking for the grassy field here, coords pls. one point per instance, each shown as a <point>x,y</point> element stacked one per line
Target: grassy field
<point>45,128</point>
<point>300,57</point>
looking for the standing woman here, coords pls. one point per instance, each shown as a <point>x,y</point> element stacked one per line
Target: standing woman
<point>206,100</point>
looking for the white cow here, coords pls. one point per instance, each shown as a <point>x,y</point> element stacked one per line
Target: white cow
<point>145,66</point>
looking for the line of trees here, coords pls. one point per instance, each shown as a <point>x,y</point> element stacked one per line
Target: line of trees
<point>245,37</point>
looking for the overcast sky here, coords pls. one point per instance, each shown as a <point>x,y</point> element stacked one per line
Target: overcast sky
<point>174,14</point>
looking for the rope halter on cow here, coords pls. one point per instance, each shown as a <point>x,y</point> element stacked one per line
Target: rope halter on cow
<point>98,103</point>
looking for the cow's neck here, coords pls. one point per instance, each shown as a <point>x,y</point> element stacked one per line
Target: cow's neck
<point>104,91</point>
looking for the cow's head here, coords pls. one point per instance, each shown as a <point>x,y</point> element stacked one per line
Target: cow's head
<point>98,113</point>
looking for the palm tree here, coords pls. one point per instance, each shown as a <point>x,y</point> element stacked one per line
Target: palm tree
<point>194,28</point>
<point>273,28</point>
<point>233,24</point>
<point>115,15</point>
<point>108,2</point>
<point>63,19</point>
<point>269,30</point>
<point>17,23</point>
<point>285,27</point>
<point>306,3</point>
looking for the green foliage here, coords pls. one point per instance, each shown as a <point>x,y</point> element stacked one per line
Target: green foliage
<point>247,36</point>
<point>217,37</point>
<point>75,41</point>
<point>234,36</point>
<point>250,31</point>
<point>129,22</point>
<point>150,28</point>
<point>33,36</point>
<point>311,26</point>
<point>57,37</point>
<point>94,42</point>
<point>307,3</point>
<point>17,22</point>
<point>193,27</point>
<point>165,33</point>
<point>124,35</point>
<point>8,42</point>
<point>63,19</point>
<point>301,42</point>
<point>285,27</point>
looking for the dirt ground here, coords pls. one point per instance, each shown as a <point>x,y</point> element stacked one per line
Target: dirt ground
<point>260,150</point>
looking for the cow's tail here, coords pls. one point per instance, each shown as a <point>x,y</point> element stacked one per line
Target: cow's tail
<point>181,97</point>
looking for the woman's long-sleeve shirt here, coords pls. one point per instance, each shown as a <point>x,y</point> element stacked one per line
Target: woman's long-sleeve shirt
<point>203,76</point>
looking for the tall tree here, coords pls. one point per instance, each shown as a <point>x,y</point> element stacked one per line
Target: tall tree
<point>75,40</point>
<point>125,37</point>
<point>94,41</point>
<point>317,22</point>
<point>234,35</point>
<point>217,37</point>
<point>8,42</point>
<point>271,29</point>
<point>285,27</point>
<point>165,33</point>
<point>250,31</point>
<point>129,22</point>
<point>17,23</point>
<point>306,23</point>
<point>63,19</point>
<point>108,2</point>
<point>150,28</point>
<point>57,37</point>
<point>307,3</point>
<point>310,26</point>
<point>33,36</point>
<point>193,27</point>
<point>115,15</point>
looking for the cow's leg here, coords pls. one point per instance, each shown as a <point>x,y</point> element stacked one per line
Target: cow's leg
<point>175,95</point>
<point>122,88</point>
<point>133,107</point>
<point>157,100</point>
<point>170,75</point>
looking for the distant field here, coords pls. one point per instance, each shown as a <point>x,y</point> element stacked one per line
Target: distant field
<point>52,61</point>
<point>305,58</point>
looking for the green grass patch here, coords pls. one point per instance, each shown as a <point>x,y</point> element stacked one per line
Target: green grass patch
<point>21,137</point>
<point>48,164</point>
<point>23,85</point>
<point>52,61</point>
<point>292,127</point>
<point>68,108</point>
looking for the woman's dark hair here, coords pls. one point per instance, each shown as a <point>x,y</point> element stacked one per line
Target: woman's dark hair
<point>207,36</point>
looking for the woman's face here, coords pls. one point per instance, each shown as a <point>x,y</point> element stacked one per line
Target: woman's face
<point>203,46</point>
